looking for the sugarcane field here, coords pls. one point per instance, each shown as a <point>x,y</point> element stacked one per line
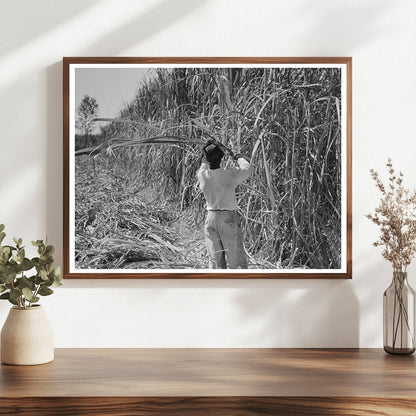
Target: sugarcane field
<point>210,168</point>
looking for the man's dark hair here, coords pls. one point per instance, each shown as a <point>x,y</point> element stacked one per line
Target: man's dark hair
<point>213,155</point>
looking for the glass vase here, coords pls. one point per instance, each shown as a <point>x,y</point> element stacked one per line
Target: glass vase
<point>399,316</point>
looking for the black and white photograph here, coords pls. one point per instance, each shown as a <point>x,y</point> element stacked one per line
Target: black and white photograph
<point>207,169</point>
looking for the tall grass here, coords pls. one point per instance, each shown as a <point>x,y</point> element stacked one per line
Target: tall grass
<point>286,121</point>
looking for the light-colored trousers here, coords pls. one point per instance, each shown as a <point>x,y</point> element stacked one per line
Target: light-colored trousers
<point>224,240</point>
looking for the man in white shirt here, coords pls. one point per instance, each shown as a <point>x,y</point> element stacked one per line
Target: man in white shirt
<point>223,235</point>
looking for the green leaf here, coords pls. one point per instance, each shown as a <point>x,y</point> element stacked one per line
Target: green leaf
<point>2,227</point>
<point>18,242</point>
<point>27,293</point>
<point>14,302</point>
<point>24,282</point>
<point>5,253</point>
<point>37,243</point>
<point>2,288</point>
<point>9,277</point>
<point>48,261</point>
<point>7,296</point>
<point>58,280</point>
<point>5,250</point>
<point>49,250</point>
<point>3,259</point>
<point>2,236</point>
<point>43,274</point>
<point>38,280</point>
<point>15,294</point>
<point>21,254</point>
<point>26,264</point>
<point>45,291</point>
<point>56,273</point>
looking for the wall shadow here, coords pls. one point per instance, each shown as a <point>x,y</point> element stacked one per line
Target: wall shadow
<point>54,170</point>
<point>158,17</point>
<point>305,313</point>
<point>339,26</point>
<point>40,15</point>
<point>302,314</point>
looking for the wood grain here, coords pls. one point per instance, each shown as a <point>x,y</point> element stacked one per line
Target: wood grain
<point>206,60</point>
<point>212,381</point>
<point>207,406</point>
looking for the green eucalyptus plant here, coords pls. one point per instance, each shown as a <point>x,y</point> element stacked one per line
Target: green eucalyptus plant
<point>15,285</point>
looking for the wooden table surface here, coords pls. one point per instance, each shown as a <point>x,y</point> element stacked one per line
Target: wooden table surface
<point>212,382</point>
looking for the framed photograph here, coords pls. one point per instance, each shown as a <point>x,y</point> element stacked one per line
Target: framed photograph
<point>207,168</point>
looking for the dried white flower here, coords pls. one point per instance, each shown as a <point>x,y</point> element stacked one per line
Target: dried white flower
<point>396,216</point>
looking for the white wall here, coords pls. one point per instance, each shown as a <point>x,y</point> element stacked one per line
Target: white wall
<point>380,35</point>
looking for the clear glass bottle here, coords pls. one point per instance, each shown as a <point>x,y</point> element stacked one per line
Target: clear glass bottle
<point>399,316</point>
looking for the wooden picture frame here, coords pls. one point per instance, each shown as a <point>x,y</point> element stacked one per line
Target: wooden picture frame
<point>125,171</point>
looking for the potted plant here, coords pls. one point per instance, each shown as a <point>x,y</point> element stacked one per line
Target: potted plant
<point>396,217</point>
<point>27,336</point>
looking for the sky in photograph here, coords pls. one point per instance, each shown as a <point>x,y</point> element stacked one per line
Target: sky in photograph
<point>111,87</point>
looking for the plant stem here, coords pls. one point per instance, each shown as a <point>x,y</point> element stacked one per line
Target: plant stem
<point>36,291</point>
<point>401,314</point>
<point>394,314</point>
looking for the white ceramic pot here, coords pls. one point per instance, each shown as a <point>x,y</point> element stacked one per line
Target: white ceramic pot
<point>27,337</point>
